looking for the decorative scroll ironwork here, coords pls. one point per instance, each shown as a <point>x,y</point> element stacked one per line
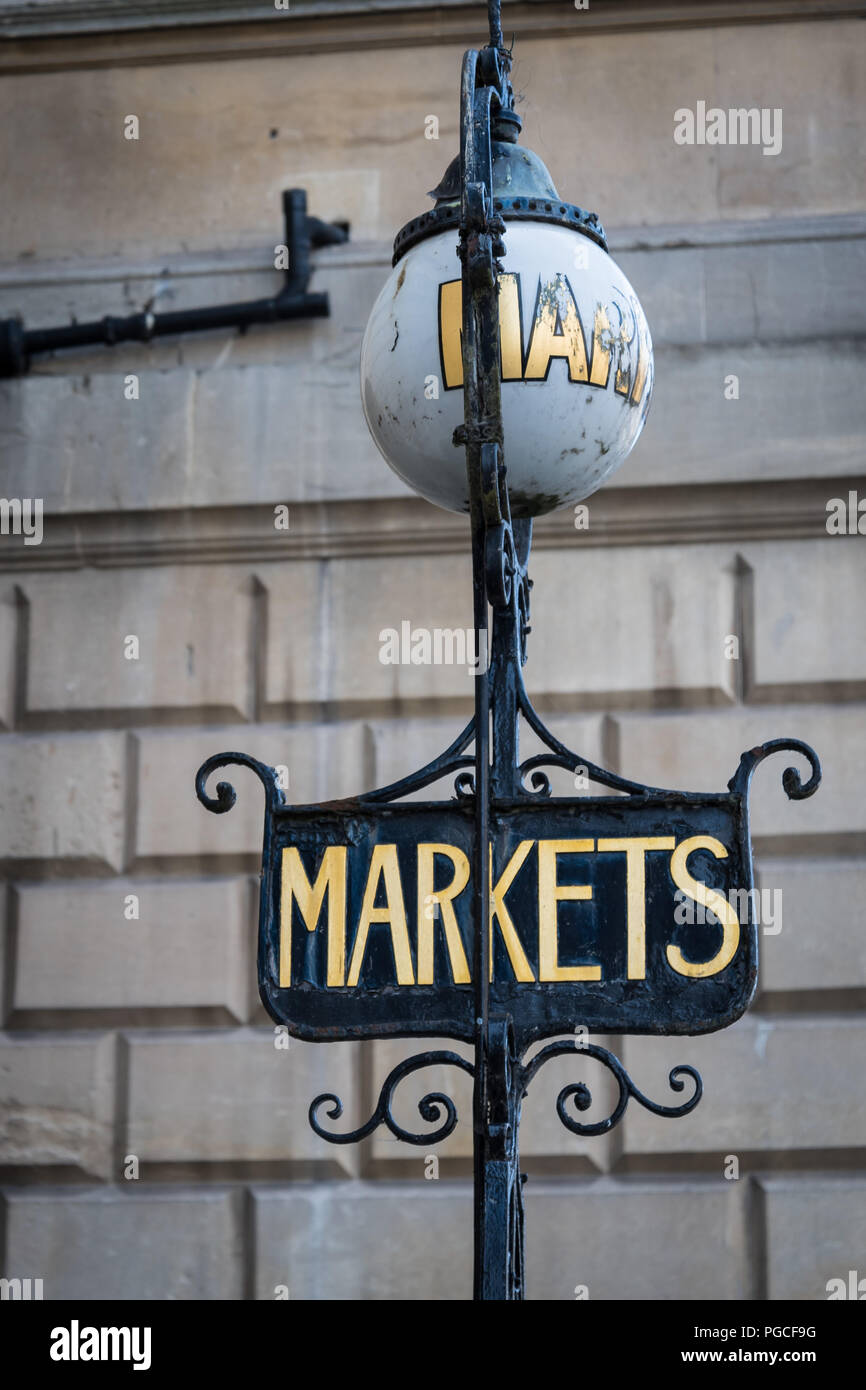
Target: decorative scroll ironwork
<point>226,795</point>
<point>449,761</point>
<point>429,1106</point>
<point>580,1093</point>
<point>795,788</point>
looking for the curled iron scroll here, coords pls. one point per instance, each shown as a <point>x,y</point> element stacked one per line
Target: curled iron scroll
<point>580,1093</point>
<point>453,759</point>
<point>795,788</point>
<point>430,1106</point>
<point>226,796</point>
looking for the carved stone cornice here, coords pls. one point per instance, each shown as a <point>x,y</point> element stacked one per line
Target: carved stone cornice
<point>733,512</point>
<point>56,34</point>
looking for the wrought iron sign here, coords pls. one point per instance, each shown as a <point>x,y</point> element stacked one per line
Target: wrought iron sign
<point>500,914</point>
<point>367,925</point>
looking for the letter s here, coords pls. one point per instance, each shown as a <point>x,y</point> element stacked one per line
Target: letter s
<point>707,897</point>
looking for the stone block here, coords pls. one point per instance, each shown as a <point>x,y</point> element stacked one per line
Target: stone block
<point>679,1239</point>
<point>8,656</point>
<point>158,643</point>
<point>142,1246</point>
<point>62,802</point>
<point>57,1102</point>
<point>362,1242</point>
<point>808,638</point>
<point>816,1232</point>
<point>771,1085</point>
<point>190,947</point>
<point>700,752</point>
<point>821,944</point>
<point>234,1097</point>
<point>322,761</point>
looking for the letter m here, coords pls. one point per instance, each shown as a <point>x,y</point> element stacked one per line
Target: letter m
<point>744,126</point>
<point>296,888</point>
<point>115,1344</point>
<point>10,1288</point>
<point>746,903</point>
<point>449,646</point>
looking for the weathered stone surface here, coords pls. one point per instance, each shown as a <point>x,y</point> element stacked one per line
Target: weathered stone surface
<point>8,632</point>
<point>781,291</point>
<point>142,1245</point>
<point>770,1085</point>
<point>809,621</point>
<point>700,752</point>
<point>678,1239</point>
<point>639,626</point>
<point>322,761</point>
<point>349,609</point>
<point>773,430</point>
<point>57,1101</point>
<point>200,122</point>
<point>364,1241</point>
<point>821,945</point>
<point>411,1240</point>
<point>217,1096</point>
<point>794,180</point>
<point>198,433</point>
<point>78,443</point>
<point>191,946</point>
<point>652,633</point>
<point>816,1232</point>
<point>62,801</point>
<point>158,642</point>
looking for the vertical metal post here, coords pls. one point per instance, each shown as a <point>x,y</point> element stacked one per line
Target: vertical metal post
<point>475,332</point>
<point>481,943</point>
<point>498,1209</point>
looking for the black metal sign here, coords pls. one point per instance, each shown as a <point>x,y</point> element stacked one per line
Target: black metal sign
<point>617,914</point>
<point>366,923</point>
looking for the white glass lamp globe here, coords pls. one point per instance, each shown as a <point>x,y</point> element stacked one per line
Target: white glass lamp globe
<point>575,350</point>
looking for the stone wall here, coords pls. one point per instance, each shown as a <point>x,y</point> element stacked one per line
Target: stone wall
<point>142,1037</point>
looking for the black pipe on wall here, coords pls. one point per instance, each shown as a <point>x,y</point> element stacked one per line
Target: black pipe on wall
<point>19,344</point>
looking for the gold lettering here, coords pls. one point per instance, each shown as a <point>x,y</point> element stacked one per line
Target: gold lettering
<point>601,348</point>
<point>516,954</point>
<point>296,886</point>
<point>556,332</point>
<point>428,899</point>
<point>623,379</point>
<point>635,893</point>
<point>708,897</point>
<point>451,330</point>
<point>549,894</point>
<point>384,864</point>
<point>642,365</point>
<point>510,339</point>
